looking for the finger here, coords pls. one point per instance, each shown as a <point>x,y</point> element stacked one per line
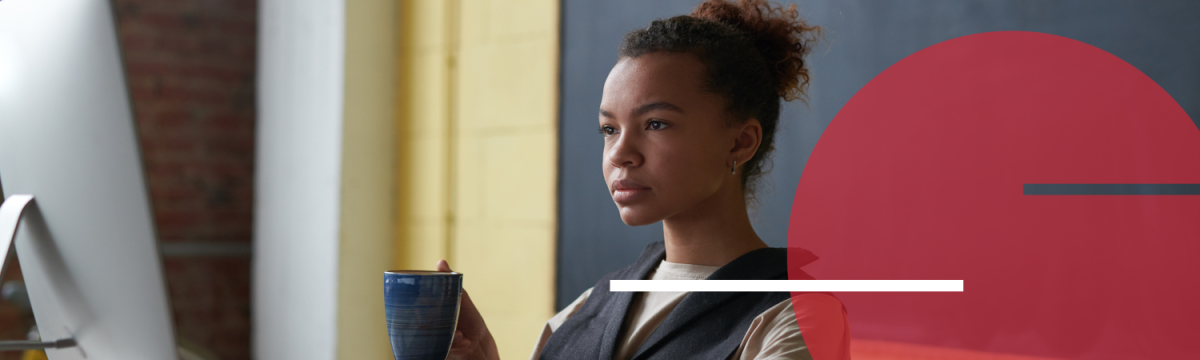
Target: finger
<point>459,341</point>
<point>466,299</point>
<point>442,265</point>
<point>468,313</point>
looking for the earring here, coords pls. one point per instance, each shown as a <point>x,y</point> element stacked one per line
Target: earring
<point>733,170</point>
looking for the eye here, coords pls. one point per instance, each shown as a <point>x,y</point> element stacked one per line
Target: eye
<point>656,125</point>
<point>607,130</point>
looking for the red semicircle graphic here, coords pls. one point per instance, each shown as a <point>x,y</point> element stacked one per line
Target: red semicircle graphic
<point>921,176</point>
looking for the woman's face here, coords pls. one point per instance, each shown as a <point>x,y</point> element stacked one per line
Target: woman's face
<point>668,145</point>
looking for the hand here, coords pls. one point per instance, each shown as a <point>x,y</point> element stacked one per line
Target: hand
<point>472,340</point>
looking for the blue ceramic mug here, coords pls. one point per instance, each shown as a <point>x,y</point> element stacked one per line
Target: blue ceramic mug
<point>422,311</point>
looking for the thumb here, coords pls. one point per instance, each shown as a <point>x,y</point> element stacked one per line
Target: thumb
<point>442,265</point>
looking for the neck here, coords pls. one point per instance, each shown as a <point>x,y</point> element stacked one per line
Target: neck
<point>714,232</point>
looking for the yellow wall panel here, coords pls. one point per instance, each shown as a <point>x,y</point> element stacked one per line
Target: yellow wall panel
<point>424,23</point>
<point>427,96</point>
<point>475,17</point>
<point>522,17</point>
<point>514,311</point>
<point>423,128</point>
<point>419,253</point>
<point>506,247</point>
<point>470,195</point>
<point>519,187</point>
<point>501,97</point>
<point>479,93</point>
<point>535,103</point>
<point>366,219</point>
<point>425,182</point>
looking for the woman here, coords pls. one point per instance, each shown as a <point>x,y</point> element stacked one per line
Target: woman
<point>688,117</point>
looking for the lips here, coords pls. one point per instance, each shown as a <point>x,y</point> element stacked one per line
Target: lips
<point>624,191</point>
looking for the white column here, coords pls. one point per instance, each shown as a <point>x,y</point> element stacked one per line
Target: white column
<point>298,178</point>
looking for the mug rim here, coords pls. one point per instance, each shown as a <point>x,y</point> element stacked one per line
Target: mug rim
<point>421,272</point>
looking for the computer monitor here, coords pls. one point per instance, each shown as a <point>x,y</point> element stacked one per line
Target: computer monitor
<point>87,247</point>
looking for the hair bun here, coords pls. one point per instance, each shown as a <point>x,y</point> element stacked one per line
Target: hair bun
<point>779,34</point>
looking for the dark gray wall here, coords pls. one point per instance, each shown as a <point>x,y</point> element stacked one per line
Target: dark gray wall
<point>862,38</point>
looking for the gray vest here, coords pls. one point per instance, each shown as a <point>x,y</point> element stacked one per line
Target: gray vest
<point>705,325</point>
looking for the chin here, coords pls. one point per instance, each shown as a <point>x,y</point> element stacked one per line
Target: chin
<point>638,217</point>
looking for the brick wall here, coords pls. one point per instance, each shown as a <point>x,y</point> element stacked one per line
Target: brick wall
<point>15,321</point>
<point>190,65</point>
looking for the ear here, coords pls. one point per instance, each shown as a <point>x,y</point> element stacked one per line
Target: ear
<point>748,138</point>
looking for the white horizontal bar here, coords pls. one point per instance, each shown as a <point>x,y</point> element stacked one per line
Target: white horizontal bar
<point>789,285</point>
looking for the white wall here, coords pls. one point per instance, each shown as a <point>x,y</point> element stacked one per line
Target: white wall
<point>325,178</point>
<point>297,178</point>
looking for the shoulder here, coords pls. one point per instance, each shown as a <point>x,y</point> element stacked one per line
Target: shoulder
<point>566,312</point>
<point>812,324</point>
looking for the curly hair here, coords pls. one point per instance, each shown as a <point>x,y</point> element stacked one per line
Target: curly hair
<point>753,52</point>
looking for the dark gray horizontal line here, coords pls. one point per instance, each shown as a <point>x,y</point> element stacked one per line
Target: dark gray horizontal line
<point>1112,189</point>
<point>205,249</point>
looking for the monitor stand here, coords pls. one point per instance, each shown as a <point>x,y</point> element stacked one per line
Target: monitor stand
<point>10,217</point>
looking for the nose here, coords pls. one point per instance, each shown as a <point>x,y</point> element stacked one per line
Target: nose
<point>624,151</point>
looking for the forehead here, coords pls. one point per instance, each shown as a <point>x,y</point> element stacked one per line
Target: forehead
<point>659,76</point>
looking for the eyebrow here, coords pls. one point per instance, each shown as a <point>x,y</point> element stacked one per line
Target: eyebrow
<point>660,105</point>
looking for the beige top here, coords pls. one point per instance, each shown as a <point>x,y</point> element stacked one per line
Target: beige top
<point>774,334</point>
